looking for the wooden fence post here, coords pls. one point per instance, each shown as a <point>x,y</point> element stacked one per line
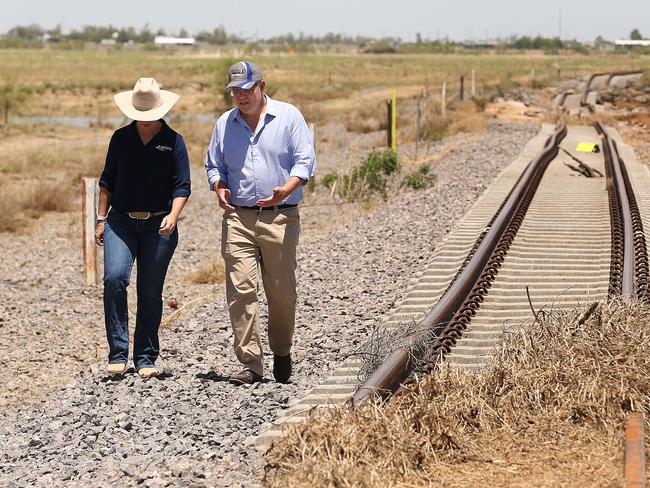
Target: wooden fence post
<point>473,83</point>
<point>462,87</point>
<point>443,99</point>
<point>389,123</point>
<point>417,128</point>
<point>89,211</point>
<point>312,178</point>
<point>393,121</point>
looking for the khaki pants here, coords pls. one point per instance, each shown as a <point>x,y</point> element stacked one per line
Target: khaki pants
<point>255,243</point>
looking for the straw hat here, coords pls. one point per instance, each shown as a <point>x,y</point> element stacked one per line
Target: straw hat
<point>146,102</point>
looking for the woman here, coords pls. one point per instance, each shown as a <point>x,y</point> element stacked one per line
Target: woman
<point>145,183</point>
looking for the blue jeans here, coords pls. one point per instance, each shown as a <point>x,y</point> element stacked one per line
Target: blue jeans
<point>127,239</point>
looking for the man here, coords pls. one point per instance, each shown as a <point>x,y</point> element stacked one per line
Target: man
<point>259,158</point>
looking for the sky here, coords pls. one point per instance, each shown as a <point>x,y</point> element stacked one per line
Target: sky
<point>583,20</point>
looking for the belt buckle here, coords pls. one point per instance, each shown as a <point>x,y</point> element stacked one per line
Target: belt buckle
<point>139,215</point>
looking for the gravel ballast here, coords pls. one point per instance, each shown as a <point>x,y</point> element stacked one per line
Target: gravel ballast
<point>65,423</point>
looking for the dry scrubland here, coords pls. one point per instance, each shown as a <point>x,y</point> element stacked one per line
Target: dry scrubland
<point>552,408</point>
<point>40,166</point>
<point>550,412</point>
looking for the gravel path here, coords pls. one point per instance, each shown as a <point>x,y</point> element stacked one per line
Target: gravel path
<point>190,427</point>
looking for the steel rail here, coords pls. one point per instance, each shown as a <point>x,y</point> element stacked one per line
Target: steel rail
<point>585,94</point>
<point>397,366</point>
<point>623,256</point>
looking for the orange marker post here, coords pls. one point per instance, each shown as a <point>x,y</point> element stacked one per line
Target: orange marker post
<point>634,451</point>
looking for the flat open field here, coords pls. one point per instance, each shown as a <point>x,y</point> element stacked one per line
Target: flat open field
<point>80,82</point>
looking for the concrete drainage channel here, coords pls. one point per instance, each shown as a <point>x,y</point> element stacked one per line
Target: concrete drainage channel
<point>561,252</point>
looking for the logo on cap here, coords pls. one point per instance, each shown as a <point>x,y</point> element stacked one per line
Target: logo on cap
<point>237,72</point>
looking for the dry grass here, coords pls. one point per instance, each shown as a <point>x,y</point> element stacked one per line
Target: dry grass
<point>549,412</point>
<point>19,203</point>
<point>45,196</point>
<point>208,274</point>
<point>11,217</point>
<point>43,174</point>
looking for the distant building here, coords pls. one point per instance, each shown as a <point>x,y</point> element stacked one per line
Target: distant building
<point>631,42</point>
<point>173,41</point>
<point>110,41</point>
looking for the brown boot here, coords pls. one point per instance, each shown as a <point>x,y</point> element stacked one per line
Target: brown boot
<point>116,368</point>
<point>245,377</point>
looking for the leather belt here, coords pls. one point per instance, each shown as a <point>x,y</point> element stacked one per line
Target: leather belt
<point>273,207</point>
<point>145,215</point>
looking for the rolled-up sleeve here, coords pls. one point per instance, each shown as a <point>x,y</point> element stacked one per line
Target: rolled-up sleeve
<point>304,157</point>
<point>214,163</point>
<point>181,183</point>
<point>109,175</point>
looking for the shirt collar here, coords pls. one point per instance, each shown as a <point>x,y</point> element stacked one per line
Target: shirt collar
<point>271,109</point>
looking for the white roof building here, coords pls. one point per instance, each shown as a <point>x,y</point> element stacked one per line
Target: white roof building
<point>630,42</point>
<point>174,41</point>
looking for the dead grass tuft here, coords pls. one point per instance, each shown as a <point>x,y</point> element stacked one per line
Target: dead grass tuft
<point>11,219</point>
<point>21,202</point>
<point>555,397</point>
<point>45,196</point>
<point>208,274</point>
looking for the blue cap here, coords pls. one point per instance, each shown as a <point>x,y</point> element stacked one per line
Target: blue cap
<point>243,74</point>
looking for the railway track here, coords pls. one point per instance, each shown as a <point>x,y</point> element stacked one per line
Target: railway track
<point>559,252</point>
<point>585,94</point>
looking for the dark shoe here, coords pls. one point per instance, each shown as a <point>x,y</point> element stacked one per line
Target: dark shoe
<point>282,368</point>
<point>245,377</point>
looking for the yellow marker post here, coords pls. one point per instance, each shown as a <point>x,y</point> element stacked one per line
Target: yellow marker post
<point>393,121</point>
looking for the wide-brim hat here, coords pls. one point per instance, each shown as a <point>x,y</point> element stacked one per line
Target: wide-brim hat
<point>243,74</point>
<point>146,102</point>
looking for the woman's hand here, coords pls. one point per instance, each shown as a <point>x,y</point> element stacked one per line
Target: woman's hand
<point>167,225</point>
<point>99,232</point>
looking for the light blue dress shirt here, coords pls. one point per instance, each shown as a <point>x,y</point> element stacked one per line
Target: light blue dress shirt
<point>251,163</point>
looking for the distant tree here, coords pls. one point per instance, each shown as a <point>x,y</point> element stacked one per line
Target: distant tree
<point>635,35</point>
<point>183,33</point>
<point>145,35</point>
<point>27,32</point>
<point>56,31</point>
<point>217,36</point>
<point>418,38</point>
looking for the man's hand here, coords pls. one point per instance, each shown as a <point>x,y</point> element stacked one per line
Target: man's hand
<point>279,194</point>
<point>223,194</point>
<point>167,225</point>
<point>99,232</point>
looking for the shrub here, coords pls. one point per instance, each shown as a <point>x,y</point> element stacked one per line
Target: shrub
<point>421,178</point>
<point>209,274</point>
<point>11,219</point>
<point>367,180</point>
<point>48,197</point>
<point>329,178</point>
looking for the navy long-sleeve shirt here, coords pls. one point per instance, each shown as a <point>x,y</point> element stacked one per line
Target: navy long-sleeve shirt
<point>146,177</point>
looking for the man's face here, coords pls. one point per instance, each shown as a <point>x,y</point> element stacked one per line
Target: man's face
<point>249,102</point>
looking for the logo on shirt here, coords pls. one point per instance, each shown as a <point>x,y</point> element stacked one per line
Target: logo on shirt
<point>163,148</point>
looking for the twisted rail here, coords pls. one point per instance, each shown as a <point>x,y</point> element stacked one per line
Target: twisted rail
<point>468,289</point>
